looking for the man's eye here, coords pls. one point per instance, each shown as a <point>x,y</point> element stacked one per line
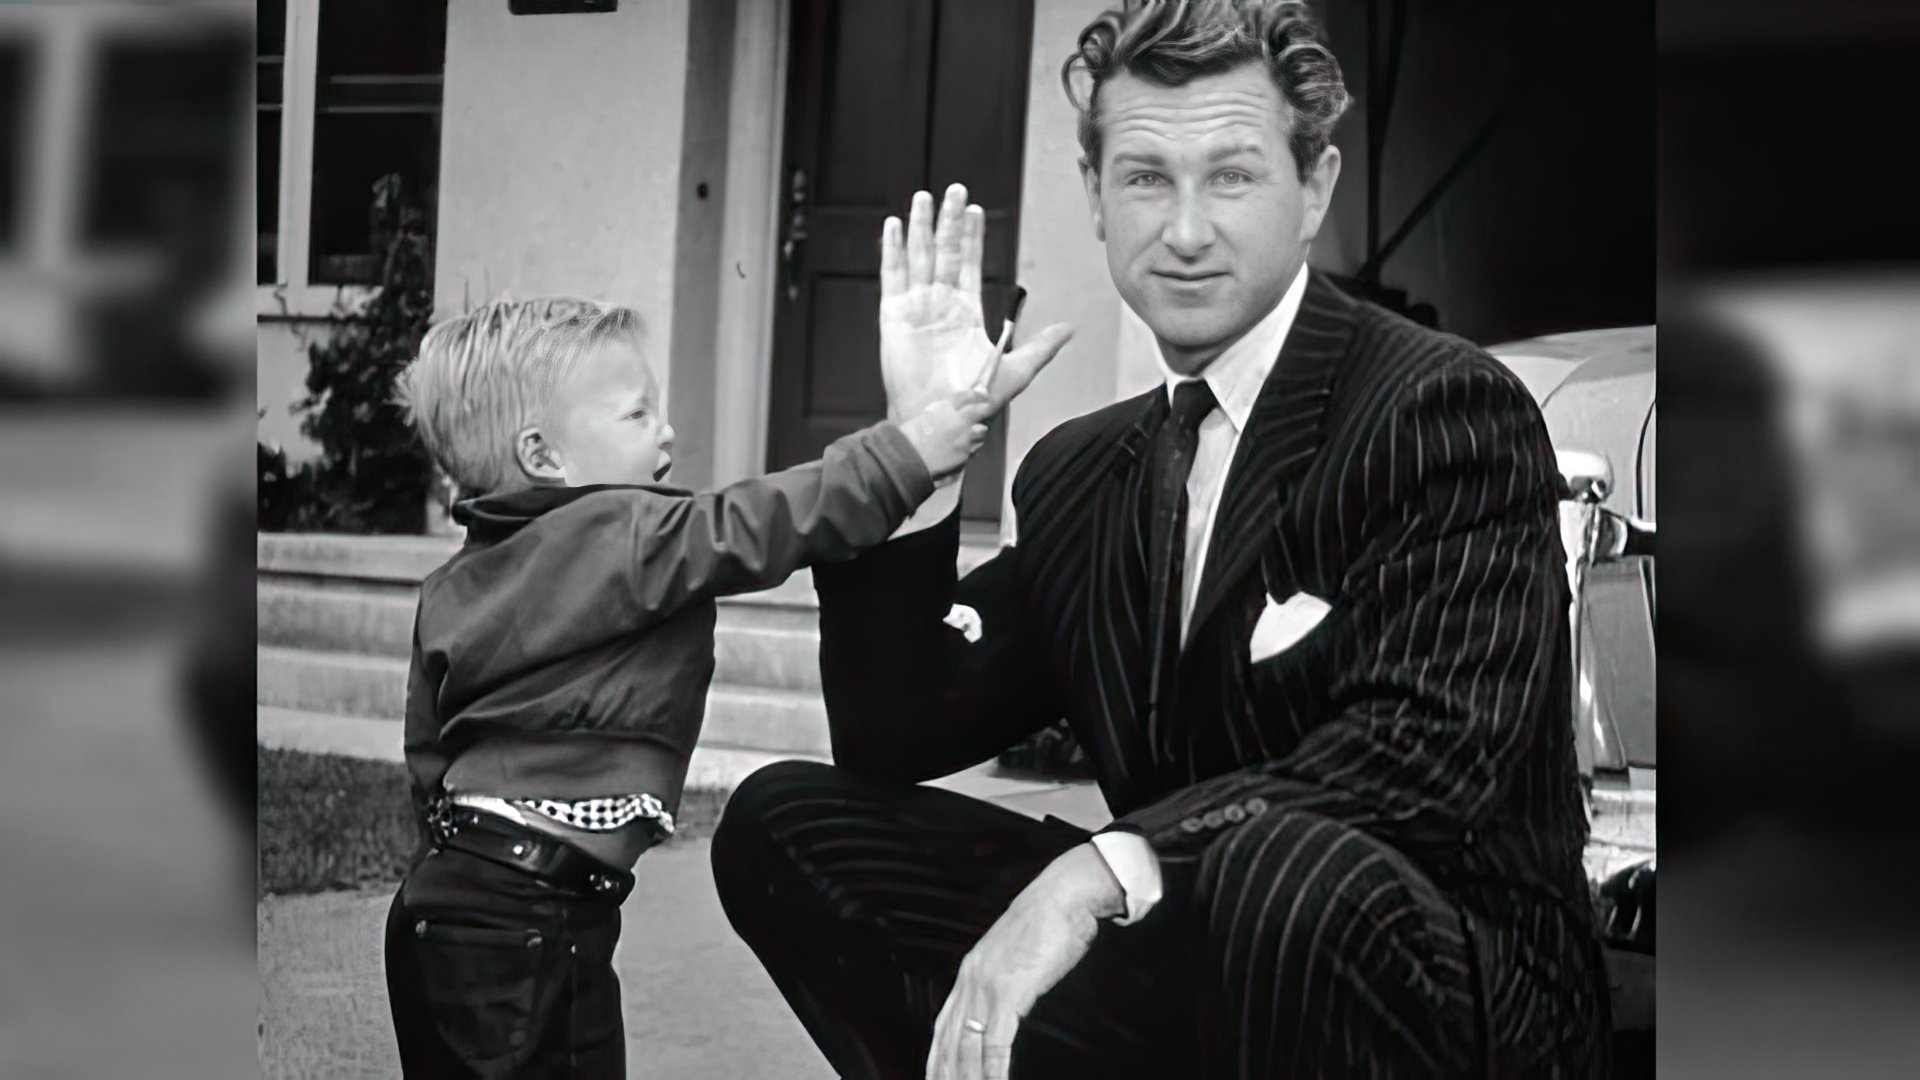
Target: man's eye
<point>1235,178</point>
<point>1142,180</point>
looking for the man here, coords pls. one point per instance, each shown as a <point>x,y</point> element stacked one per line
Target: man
<point>1304,606</point>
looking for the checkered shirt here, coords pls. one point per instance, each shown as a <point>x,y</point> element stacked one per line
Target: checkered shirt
<point>602,814</point>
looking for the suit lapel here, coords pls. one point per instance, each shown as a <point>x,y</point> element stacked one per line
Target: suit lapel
<point>1117,602</point>
<point>1283,433</point>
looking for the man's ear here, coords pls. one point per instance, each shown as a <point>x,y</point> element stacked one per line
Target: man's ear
<point>1090,177</point>
<point>1318,192</point>
<point>539,459</point>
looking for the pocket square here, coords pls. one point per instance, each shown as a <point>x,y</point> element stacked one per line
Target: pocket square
<point>966,620</point>
<point>1281,626</point>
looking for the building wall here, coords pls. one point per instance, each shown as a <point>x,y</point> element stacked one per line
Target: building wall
<point>1062,265</point>
<point>282,380</point>
<point>561,158</point>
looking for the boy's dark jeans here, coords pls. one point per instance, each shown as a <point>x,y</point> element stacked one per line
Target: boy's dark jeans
<point>493,973</point>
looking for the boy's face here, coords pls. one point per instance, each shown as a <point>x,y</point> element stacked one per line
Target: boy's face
<point>606,426</point>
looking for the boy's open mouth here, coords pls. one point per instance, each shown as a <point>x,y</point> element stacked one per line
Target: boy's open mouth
<point>660,473</point>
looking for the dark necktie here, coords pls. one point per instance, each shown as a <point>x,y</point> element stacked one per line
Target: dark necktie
<point>1171,462</point>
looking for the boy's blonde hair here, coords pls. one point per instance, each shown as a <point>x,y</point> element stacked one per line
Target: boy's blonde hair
<point>476,385</point>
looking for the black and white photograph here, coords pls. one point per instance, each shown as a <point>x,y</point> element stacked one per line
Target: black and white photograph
<point>956,539</point>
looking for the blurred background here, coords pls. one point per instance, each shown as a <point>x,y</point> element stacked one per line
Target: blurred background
<point>1789,628</point>
<point>133,269</point>
<point>126,357</point>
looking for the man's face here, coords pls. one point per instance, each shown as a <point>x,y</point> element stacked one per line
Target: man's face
<point>1201,207</point>
<point>605,424</point>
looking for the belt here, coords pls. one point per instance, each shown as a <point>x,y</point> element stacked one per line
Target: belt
<point>552,860</point>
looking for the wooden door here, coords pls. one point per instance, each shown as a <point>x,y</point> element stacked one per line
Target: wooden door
<point>884,98</point>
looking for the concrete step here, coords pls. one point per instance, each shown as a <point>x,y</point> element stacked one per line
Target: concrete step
<point>403,559</point>
<point>774,644</point>
<point>341,684</point>
<point>336,617</point>
<point>785,722</point>
<point>355,685</point>
<point>407,559</point>
<point>712,767</point>
<point>765,647</point>
<point>770,659</point>
<point>367,738</point>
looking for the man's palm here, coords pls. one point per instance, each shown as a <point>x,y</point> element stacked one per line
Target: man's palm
<point>933,341</point>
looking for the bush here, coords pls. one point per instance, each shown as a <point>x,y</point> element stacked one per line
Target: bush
<point>372,475</point>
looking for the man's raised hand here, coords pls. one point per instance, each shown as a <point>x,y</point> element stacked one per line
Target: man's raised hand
<point>933,342</point>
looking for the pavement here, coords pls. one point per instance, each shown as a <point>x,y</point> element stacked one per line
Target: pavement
<point>697,1002</point>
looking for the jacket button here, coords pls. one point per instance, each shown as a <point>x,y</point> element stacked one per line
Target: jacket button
<point>1235,814</point>
<point>1212,819</point>
<point>420,928</point>
<point>1256,806</point>
<point>534,940</point>
<point>1467,838</point>
<point>1191,825</point>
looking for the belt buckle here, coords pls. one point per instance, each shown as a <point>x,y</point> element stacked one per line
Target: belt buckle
<point>440,817</point>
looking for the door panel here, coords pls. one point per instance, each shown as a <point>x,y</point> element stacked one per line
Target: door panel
<point>886,97</point>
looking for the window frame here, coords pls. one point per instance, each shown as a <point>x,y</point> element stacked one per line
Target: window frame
<point>294,295</point>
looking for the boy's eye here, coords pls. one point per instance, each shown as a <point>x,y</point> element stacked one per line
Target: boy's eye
<point>637,414</point>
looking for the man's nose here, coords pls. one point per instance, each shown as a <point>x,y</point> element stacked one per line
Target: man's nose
<point>1188,232</point>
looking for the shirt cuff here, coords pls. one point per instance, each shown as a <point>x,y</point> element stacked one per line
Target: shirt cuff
<point>1135,867</point>
<point>937,508</point>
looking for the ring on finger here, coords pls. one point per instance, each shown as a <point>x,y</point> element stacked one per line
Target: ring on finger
<point>974,1027</point>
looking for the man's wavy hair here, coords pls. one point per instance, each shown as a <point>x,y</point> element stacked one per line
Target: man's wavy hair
<point>1172,42</point>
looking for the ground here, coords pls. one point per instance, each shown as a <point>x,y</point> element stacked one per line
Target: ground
<point>697,1002</point>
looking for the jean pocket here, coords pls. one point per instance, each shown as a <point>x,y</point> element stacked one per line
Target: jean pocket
<point>482,986</point>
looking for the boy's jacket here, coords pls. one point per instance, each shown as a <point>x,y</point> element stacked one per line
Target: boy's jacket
<point>576,623</point>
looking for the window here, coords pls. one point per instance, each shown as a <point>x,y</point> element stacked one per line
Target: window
<point>376,111</point>
<point>13,77</point>
<point>160,165</point>
<point>270,61</point>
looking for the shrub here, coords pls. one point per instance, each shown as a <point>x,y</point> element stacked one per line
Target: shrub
<point>372,474</point>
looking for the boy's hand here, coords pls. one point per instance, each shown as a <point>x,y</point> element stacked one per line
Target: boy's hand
<point>949,432</point>
<point>933,343</point>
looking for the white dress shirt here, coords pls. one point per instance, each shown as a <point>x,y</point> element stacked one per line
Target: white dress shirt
<point>1235,377</point>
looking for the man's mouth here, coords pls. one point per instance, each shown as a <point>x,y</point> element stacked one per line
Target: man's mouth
<point>1190,276</point>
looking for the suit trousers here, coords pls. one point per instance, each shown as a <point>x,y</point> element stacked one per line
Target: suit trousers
<point>1303,948</point>
<point>494,973</point>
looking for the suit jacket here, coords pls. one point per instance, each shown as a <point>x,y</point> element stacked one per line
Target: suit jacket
<point>1400,474</point>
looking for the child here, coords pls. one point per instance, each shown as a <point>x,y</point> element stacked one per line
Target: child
<point>561,662</point>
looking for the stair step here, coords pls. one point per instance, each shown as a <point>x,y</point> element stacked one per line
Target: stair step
<point>307,685</point>
<point>334,618</point>
<point>404,559</point>
<point>771,659</point>
<point>342,684</point>
<point>784,722</point>
<point>712,767</point>
<point>367,738</point>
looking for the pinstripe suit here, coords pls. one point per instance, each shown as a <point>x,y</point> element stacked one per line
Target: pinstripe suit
<point>1370,842</point>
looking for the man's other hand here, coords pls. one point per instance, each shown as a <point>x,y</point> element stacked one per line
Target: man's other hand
<point>1043,935</point>
<point>933,341</point>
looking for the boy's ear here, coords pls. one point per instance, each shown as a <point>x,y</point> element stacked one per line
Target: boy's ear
<point>539,459</point>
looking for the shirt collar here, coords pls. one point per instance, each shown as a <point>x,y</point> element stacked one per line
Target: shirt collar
<point>1236,376</point>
